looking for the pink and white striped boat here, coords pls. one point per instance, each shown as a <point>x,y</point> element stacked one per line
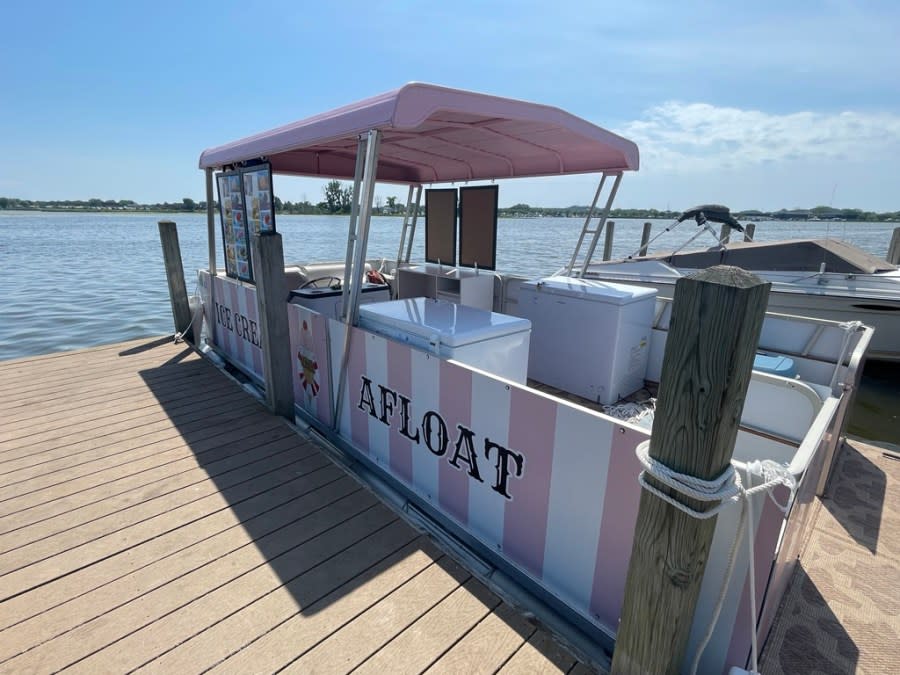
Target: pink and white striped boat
<point>484,404</point>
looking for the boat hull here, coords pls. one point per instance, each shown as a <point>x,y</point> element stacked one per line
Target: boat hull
<point>880,310</point>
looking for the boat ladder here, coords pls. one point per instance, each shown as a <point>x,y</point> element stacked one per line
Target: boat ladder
<point>580,261</point>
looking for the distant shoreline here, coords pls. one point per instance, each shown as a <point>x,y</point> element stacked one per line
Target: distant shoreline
<point>834,215</point>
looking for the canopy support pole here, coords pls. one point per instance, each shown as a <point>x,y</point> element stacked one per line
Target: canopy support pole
<point>363,196</point>
<point>354,216</point>
<point>211,243</point>
<point>211,222</point>
<point>415,219</point>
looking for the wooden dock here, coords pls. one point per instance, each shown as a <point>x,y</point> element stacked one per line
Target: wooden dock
<point>155,517</point>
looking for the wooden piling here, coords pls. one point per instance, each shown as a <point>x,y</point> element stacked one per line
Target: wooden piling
<point>716,322</point>
<point>271,301</point>
<point>608,242</point>
<point>645,238</point>
<point>893,255</point>
<point>749,231</point>
<point>181,311</point>
<point>724,234</point>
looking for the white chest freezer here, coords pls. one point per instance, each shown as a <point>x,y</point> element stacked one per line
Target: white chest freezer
<point>495,343</point>
<point>328,301</point>
<point>590,338</point>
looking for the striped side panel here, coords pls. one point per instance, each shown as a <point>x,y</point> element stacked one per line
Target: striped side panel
<point>426,387</point>
<point>250,310</point>
<point>399,368</point>
<point>234,304</point>
<point>455,408</point>
<point>768,529</point>
<point>532,428</point>
<point>578,484</point>
<point>490,422</point>
<point>357,418</point>
<point>318,326</point>
<point>376,369</point>
<point>620,508</point>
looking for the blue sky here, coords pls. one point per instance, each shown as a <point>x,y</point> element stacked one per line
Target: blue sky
<point>763,104</point>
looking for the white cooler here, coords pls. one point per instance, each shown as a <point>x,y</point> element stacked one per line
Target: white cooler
<point>495,343</point>
<point>590,338</point>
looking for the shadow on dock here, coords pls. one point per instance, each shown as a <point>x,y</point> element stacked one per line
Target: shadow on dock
<point>327,544</point>
<point>856,501</point>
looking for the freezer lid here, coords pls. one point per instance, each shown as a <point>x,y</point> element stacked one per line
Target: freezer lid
<point>455,325</point>
<point>590,289</point>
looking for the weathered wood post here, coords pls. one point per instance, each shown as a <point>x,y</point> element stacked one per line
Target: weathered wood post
<point>608,242</point>
<point>749,231</point>
<point>715,327</point>
<point>724,234</point>
<point>645,238</point>
<point>893,255</point>
<point>181,311</point>
<point>271,301</point>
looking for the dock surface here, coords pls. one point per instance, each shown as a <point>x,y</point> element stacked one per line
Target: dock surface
<point>155,517</point>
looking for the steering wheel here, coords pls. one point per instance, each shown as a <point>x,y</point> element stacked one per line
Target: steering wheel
<point>331,282</point>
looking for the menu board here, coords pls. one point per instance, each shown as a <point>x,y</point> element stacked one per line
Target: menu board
<point>258,198</point>
<point>235,233</point>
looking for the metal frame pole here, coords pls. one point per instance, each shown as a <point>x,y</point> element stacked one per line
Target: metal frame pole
<point>352,234</point>
<point>365,218</point>
<point>211,243</point>
<point>412,230</point>
<point>586,226</point>
<point>403,231</point>
<point>210,222</point>
<point>351,312</point>
<point>603,216</point>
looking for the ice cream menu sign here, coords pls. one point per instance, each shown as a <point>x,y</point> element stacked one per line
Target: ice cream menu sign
<point>235,233</point>
<point>258,198</point>
<point>246,207</point>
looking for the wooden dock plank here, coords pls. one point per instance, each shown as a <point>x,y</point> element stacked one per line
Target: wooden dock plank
<point>150,498</point>
<point>487,645</point>
<point>270,633</point>
<point>195,559</point>
<point>79,490</point>
<point>193,436</point>
<point>424,641</point>
<point>346,649</point>
<point>218,533</point>
<point>371,535</point>
<point>130,627</point>
<point>154,516</point>
<point>541,655</point>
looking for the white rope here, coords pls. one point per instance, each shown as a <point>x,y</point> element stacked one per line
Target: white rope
<point>726,489</point>
<point>631,411</point>
<point>179,335</point>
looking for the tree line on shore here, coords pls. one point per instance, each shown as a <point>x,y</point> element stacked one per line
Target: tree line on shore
<point>337,199</point>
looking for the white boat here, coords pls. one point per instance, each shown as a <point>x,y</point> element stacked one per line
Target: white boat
<point>427,387</point>
<point>824,278</point>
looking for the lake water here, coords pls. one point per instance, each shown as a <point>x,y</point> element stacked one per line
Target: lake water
<point>76,280</point>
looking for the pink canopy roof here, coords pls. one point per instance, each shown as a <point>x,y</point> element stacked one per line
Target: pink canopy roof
<point>434,134</point>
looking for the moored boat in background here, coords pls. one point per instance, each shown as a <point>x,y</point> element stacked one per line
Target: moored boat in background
<point>824,278</point>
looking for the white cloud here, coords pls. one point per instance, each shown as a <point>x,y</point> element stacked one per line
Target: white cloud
<point>699,136</point>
